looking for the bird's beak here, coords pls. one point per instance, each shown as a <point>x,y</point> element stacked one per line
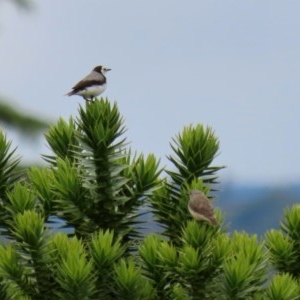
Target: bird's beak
<point>108,69</point>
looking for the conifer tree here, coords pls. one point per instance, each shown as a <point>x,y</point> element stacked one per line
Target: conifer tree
<point>76,229</point>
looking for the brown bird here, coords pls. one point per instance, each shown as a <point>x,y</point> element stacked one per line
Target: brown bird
<point>200,207</point>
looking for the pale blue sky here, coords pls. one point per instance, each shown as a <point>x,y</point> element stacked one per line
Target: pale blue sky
<point>232,65</point>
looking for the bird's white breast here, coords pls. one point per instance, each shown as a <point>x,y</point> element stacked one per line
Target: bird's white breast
<point>92,91</point>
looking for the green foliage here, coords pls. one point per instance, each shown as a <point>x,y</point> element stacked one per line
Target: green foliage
<point>62,140</point>
<point>8,177</point>
<point>187,270</point>
<point>102,193</point>
<point>281,250</point>
<point>284,245</point>
<point>105,250</point>
<point>15,119</point>
<point>23,4</point>
<point>8,165</point>
<point>245,271</point>
<point>159,261</point>
<point>26,264</point>
<point>195,148</point>
<point>129,282</point>
<point>41,183</point>
<point>96,183</point>
<point>13,274</point>
<point>74,272</point>
<point>282,287</point>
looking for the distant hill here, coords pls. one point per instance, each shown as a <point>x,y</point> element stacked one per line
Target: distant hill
<point>255,209</point>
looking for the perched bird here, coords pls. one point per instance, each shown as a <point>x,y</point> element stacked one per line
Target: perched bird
<point>200,207</point>
<point>92,85</point>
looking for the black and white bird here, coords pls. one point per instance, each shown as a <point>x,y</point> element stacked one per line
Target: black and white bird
<point>92,85</point>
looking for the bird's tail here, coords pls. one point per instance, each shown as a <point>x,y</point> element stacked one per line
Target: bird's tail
<point>70,93</point>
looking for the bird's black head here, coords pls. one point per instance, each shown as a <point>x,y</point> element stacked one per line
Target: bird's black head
<point>101,69</point>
